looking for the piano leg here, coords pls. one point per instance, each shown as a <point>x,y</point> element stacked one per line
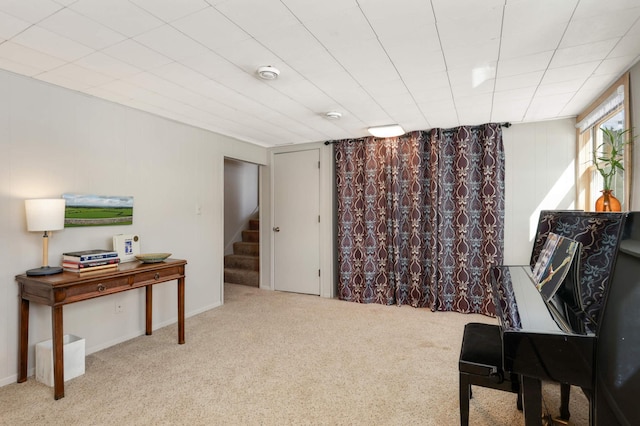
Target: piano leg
<point>532,395</point>
<point>565,394</point>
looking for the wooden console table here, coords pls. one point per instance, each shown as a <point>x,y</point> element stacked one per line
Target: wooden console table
<point>68,287</point>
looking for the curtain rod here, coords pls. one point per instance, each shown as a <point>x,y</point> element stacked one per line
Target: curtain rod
<point>505,124</point>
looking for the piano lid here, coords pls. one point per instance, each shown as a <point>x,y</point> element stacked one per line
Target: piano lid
<point>522,307</point>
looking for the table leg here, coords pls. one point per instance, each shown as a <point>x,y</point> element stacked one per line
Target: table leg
<point>149,309</point>
<point>181,311</point>
<point>58,352</point>
<point>532,395</point>
<point>23,354</point>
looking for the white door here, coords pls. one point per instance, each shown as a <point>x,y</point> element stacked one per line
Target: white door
<point>296,227</point>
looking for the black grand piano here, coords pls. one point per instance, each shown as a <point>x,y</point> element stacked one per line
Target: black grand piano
<point>588,333</point>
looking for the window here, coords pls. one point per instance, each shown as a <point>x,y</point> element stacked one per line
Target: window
<point>611,110</point>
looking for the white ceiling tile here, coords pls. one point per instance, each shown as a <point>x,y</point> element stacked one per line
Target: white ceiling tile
<point>478,55</point>
<point>10,25</point>
<point>119,15</point>
<point>435,95</point>
<point>447,9</point>
<point>265,17</point>
<point>530,28</point>
<point>524,64</point>
<point>292,42</point>
<point>411,66</point>
<point>31,11</point>
<point>349,28</point>
<point>28,57</point>
<point>74,26</point>
<point>108,65</point>
<point>308,11</point>
<point>388,88</point>
<point>514,95</point>
<point>460,31</point>
<point>599,28</point>
<point>248,55</point>
<point>213,66</point>
<point>100,92</point>
<point>368,64</point>
<point>591,8</point>
<point>563,87</point>
<point>546,107</point>
<point>211,28</point>
<point>614,65</point>
<point>171,43</point>
<point>60,80</point>
<point>580,71</point>
<point>170,10</point>
<point>124,89</point>
<point>133,53</point>
<point>597,51</point>
<point>514,110</point>
<point>520,81</point>
<point>181,75</point>
<point>18,68</point>
<point>52,44</point>
<point>78,74</point>
<point>467,82</point>
<point>630,45</point>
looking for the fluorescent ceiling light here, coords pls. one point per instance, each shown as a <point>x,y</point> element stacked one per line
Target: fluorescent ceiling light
<point>386,131</point>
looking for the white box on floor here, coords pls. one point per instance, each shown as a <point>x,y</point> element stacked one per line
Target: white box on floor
<point>73,348</point>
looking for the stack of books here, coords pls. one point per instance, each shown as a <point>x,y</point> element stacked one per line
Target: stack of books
<point>89,261</point>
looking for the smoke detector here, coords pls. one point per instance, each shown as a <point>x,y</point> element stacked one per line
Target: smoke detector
<point>268,72</point>
<point>333,115</point>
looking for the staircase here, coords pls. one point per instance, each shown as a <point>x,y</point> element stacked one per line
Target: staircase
<point>243,266</point>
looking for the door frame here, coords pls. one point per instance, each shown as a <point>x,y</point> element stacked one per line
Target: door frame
<point>328,284</point>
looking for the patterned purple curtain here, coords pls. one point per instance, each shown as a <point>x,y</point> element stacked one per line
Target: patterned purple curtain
<point>420,218</point>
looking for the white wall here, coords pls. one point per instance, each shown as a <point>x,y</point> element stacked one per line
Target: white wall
<point>539,175</point>
<point>240,199</point>
<point>52,141</point>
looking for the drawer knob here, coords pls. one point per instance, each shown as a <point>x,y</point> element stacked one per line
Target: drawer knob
<point>157,276</point>
<point>101,288</point>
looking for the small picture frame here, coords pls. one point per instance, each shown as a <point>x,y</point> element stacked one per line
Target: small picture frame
<point>127,246</point>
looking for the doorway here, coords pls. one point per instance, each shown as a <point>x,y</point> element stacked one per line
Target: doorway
<point>241,223</point>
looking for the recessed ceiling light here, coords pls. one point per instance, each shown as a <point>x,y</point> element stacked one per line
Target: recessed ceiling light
<point>268,72</point>
<point>333,115</point>
<point>386,131</point>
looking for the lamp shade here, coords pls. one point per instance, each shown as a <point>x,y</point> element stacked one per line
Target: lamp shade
<point>45,214</point>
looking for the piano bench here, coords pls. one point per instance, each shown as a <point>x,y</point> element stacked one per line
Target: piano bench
<point>480,364</point>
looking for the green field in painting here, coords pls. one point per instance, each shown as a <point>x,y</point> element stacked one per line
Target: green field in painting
<point>98,216</point>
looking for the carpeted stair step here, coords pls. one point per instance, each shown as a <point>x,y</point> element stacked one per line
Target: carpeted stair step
<point>251,236</point>
<point>254,224</point>
<point>247,249</point>
<point>241,276</point>
<point>238,261</point>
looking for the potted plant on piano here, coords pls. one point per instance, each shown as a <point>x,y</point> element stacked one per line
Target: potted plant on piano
<point>608,159</point>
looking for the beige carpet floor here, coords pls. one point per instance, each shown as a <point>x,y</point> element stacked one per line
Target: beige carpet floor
<point>272,358</point>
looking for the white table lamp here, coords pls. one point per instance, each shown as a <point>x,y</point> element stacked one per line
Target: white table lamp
<point>45,215</point>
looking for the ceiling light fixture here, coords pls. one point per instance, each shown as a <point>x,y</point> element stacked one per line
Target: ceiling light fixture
<point>387,131</point>
<point>268,72</point>
<point>333,115</point>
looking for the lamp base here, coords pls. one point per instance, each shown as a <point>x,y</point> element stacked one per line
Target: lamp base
<point>44,270</point>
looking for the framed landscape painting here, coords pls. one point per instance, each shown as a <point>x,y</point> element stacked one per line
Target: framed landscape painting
<point>97,210</point>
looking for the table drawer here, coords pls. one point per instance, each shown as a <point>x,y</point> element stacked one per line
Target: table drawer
<point>165,274</point>
<point>96,288</point>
